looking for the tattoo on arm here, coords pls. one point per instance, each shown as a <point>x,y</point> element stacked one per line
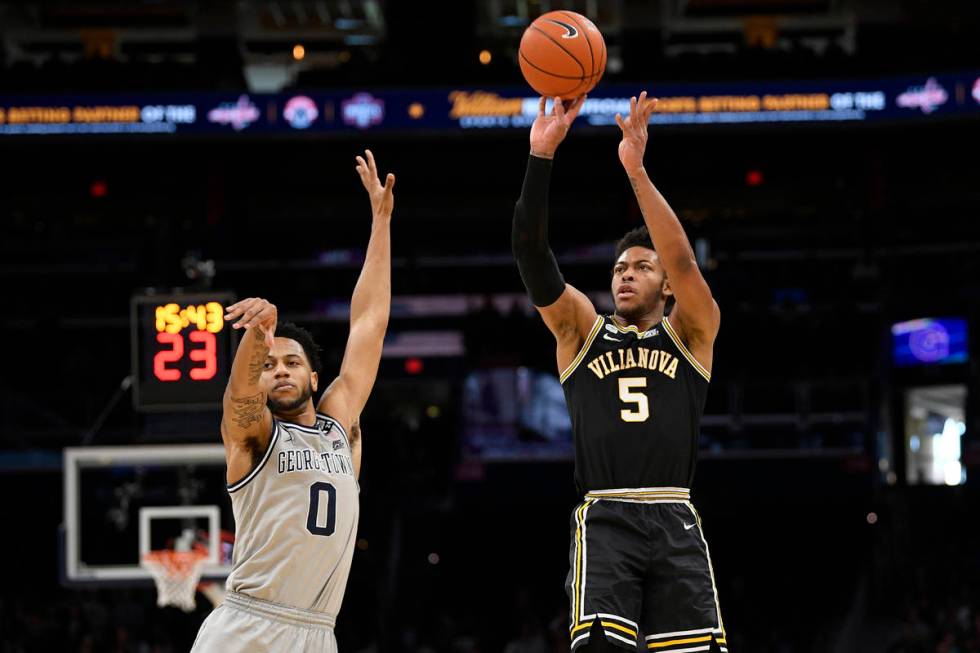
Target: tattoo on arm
<point>257,362</point>
<point>247,410</point>
<point>636,191</point>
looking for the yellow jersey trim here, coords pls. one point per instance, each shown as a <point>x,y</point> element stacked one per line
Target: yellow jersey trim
<point>625,329</point>
<point>673,496</point>
<point>628,631</point>
<point>605,624</point>
<point>673,642</point>
<point>579,551</point>
<point>596,327</point>
<point>643,494</point>
<point>701,369</point>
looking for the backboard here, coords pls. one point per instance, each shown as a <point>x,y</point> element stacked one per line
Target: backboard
<point>120,502</point>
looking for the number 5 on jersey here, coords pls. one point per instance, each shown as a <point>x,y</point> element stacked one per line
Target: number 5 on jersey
<point>628,394</point>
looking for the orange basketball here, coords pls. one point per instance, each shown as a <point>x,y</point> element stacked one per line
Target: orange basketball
<point>562,54</point>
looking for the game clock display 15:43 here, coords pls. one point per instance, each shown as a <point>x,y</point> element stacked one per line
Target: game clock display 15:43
<point>182,350</point>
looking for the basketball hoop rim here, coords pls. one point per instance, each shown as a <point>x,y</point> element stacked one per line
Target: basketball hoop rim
<point>179,560</point>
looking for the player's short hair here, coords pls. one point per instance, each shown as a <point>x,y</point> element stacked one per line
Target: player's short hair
<point>305,340</point>
<point>639,237</point>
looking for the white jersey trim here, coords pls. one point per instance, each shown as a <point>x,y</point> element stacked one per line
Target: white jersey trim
<point>258,468</point>
<point>315,430</point>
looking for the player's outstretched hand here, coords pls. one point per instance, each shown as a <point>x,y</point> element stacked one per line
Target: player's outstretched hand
<point>254,312</point>
<point>549,130</point>
<point>634,142</point>
<point>382,197</point>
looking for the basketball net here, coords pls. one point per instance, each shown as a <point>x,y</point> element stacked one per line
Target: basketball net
<point>176,574</point>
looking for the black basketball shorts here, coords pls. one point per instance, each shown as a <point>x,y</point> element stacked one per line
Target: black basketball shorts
<point>640,568</point>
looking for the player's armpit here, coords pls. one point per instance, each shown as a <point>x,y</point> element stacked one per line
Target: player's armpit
<point>243,443</point>
<point>355,447</point>
<point>245,446</point>
<point>696,306</point>
<point>570,319</point>
<point>696,317</point>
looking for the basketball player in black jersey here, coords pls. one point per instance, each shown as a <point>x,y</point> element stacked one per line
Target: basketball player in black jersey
<point>635,383</point>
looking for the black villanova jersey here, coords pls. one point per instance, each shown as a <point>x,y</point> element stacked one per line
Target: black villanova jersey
<point>636,401</point>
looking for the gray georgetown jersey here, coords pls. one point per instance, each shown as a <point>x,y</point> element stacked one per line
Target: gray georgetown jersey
<point>296,518</point>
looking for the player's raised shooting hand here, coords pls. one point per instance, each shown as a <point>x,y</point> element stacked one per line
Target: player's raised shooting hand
<point>549,130</point>
<point>634,142</point>
<point>382,197</point>
<point>254,312</point>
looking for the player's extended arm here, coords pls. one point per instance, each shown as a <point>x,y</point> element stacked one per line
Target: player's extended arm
<point>567,312</point>
<point>246,422</point>
<point>370,306</point>
<point>696,316</point>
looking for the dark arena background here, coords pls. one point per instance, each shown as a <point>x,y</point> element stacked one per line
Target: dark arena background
<point>823,155</point>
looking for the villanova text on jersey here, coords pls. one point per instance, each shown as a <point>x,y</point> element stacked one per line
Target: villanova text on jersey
<point>624,359</point>
<point>635,399</point>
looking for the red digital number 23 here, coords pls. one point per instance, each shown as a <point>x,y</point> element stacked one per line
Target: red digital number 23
<point>207,355</point>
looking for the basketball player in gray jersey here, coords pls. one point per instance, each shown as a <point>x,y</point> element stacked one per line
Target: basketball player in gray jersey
<point>292,465</point>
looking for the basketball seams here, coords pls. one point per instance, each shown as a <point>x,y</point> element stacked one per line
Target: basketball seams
<point>585,35</point>
<point>538,68</point>
<point>583,76</point>
<point>549,73</point>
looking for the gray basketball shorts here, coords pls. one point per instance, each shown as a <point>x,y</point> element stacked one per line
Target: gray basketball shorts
<point>243,624</point>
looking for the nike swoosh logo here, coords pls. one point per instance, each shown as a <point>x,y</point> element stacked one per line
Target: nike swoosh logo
<point>570,30</point>
<point>688,527</point>
<point>608,337</point>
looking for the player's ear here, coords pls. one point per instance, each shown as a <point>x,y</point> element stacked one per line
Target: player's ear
<point>314,380</point>
<point>665,289</point>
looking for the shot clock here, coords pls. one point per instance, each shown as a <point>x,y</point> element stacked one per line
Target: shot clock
<point>182,350</point>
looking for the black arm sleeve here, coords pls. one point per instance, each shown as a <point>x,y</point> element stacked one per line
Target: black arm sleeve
<point>529,237</point>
